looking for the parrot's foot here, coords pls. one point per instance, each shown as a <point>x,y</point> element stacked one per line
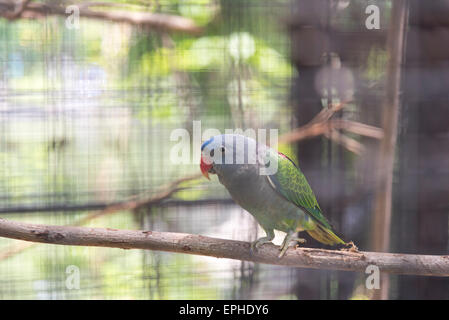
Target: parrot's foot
<point>289,238</point>
<point>259,242</point>
<point>300,240</point>
<point>351,247</point>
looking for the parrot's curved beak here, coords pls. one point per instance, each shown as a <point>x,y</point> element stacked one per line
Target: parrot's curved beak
<point>205,167</point>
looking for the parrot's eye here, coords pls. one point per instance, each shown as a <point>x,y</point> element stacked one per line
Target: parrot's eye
<point>212,152</point>
<point>222,149</point>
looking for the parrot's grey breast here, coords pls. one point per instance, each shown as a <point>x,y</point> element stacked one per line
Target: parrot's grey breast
<point>254,193</point>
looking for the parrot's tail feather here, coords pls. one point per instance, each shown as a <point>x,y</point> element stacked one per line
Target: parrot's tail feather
<point>324,235</point>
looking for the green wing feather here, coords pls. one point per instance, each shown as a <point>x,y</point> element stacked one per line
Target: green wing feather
<point>291,183</point>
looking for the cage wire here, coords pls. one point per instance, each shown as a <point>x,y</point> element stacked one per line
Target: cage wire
<point>86,116</point>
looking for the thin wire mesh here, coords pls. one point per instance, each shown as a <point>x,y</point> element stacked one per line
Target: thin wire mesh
<point>86,116</point>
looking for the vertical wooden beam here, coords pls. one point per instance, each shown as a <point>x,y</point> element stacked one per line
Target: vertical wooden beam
<point>391,109</point>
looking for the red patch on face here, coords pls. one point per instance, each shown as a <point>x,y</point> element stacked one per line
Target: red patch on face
<point>205,167</point>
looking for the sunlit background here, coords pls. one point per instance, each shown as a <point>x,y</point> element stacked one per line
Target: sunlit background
<point>86,114</point>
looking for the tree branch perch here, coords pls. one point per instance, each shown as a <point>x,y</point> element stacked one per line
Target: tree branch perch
<point>426,265</point>
<point>322,124</point>
<point>156,21</point>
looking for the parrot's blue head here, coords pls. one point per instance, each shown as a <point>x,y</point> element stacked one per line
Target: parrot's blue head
<point>227,153</point>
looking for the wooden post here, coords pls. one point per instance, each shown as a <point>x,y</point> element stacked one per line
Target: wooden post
<point>391,109</point>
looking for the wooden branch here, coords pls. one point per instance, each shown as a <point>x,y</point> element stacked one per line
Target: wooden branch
<point>157,21</point>
<point>205,246</point>
<point>322,124</point>
<point>324,128</point>
<point>327,113</point>
<point>390,113</point>
<point>19,8</point>
<point>307,131</point>
<point>391,108</point>
<point>347,142</point>
<point>15,249</point>
<point>133,203</point>
<point>357,128</point>
<point>143,200</point>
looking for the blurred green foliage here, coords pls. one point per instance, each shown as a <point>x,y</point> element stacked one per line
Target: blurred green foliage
<point>88,116</point>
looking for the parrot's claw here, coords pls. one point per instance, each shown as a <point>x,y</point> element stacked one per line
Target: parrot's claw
<point>283,251</point>
<point>289,238</point>
<point>259,242</point>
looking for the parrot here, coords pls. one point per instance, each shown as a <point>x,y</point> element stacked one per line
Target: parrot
<point>268,185</point>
